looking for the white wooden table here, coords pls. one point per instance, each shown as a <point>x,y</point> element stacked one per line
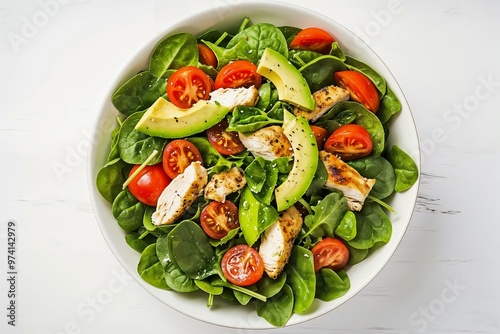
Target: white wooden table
<point>57,60</point>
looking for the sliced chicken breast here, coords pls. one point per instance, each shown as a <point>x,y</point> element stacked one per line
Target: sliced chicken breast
<point>343,177</point>
<point>277,241</point>
<point>225,183</point>
<point>180,194</point>
<point>269,143</point>
<point>325,99</point>
<point>232,97</point>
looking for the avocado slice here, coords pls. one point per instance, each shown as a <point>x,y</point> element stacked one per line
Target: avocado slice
<point>305,153</point>
<point>291,85</point>
<point>164,119</point>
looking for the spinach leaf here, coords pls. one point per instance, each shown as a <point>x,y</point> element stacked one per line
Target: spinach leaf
<point>269,287</point>
<point>258,37</point>
<point>356,255</point>
<point>177,280</point>
<point>261,176</point>
<point>138,93</point>
<point>113,153</point>
<point>405,168</point>
<point>376,168</point>
<point>331,285</point>
<point>336,51</point>
<point>128,211</point>
<point>389,106</point>
<point>377,79</point>
<point>150,269</point>
<point>173,52</point>
<point>248,119</point>
<point>137,242</point>
<point>364,118</point>
<point>289,32</point>
<point>319,72</point>
<point>134,146</point>
<point>347,227</point>
<point>255,217</point>
<point>300,58</point>
<point>278,309</point>
<point>241,50</point>
<point>372,226</point>
<point>111,177</point>
<point>327,215</point>
<point>301,278</point>
<point>209,288</point>
<point>190,250</point>
<point>162,250</point>
<point>318,181</point>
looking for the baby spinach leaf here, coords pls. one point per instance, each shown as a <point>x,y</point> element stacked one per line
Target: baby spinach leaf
<point>347,227</point>
<point>289,32</point>
<point>241,50</point>
<point>300,58</point>
<point>134,146</point>
<point>177,280</point>
<point>331,285</point>
<point>389,106</point>
<point>356,255</point>
<point>138,93</point>
<point>372,226</point>
<point>377,168</point>
<point>173,52</point>
<point>319,72</point>
<point>318,181</point>
<point>248,119</point>
<point>209,288</point>
<point>374,76</point>
<point>269,287</point>
<point>261,176</point>
<point>278,309</point>
<point>113,153</point>
<point>327,215</point>
<point>190,250</point>
<point>336,51</point>
<point>258,37</point>
<point>134,240</point>
<point>162,250</point>
<point>150,269</point>
<point>301,278</point>
<point>405,168</point>
<point>128,211</point>
<point>111,177</point>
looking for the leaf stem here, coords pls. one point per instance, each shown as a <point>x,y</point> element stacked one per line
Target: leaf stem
<point>382,203</point>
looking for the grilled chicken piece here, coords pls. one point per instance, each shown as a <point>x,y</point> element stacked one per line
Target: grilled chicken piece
<point>343,177</point>
<point>269,143</point>
<point>225,183</point>
<point>180,194</point>
<point>232,97</point>
<point>325,99</point>
<point>277,241</point>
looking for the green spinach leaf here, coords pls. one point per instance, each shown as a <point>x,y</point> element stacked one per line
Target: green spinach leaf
<point>278,309</point>
<point>331,285</point>
<point>248,119</point>
<point>177,280</point>
<point>173,52</point>
<point>150,269</point>
<point>327,215</point>
<point>301,278</point>
<point>377,168</point>
<point>347,227</point>
<point>389,106</point>
<point>374,76</point>
<point>111,177</point>
<point>270,287</point>
<point>372,225</point>
<point>319,72</point>
<point>405,168</point>
<point>128,211</point>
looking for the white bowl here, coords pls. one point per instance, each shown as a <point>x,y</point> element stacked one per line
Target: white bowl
<point>403,133</point>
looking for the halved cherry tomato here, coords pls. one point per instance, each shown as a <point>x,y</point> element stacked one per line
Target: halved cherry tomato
<point>236,74</point>
<point>330,253</point>
<point>225,142</point>
<point>148,185</point>
<point>349,141</point>
<point>188,85</point>
<point>313,39</point>
<point>206,55</point>
<point>360,87</point>
<point>178,155</point>
<point>242,265</point>
<point>218,218</point>
<point>320,134</point>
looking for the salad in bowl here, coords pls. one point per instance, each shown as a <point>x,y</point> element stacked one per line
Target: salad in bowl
<point>269,162</point>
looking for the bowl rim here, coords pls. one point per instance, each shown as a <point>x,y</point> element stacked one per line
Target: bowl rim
<point>121,76</point>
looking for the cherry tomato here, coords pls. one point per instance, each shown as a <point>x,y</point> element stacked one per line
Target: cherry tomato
<point>218,218</point>
<point>148,185</point>
<point>320,134</point>
<point>330,253</point>
<point>313,39</point>
<point>188,85</point>
<point>242,265</point>
<point>360,87</point>
<point>178,155</point>
<point>239,73</point>
<point>225,142</point>
<point>349,141</point>
<point>207,56</point>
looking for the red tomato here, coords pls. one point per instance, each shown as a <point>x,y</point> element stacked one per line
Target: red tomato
<point>188,85</point>
<point>218,218</point>
<point>313,39</point>
<point>360,87</point>
<point>350,141</point>
<point>330,253</point>
<point>206,56</point>
<point>225,142</point>
<point>320,134</point>
<point>148,185</point>
<point>178,155</point>
<point>242,265</point>
<point>239,73</point>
